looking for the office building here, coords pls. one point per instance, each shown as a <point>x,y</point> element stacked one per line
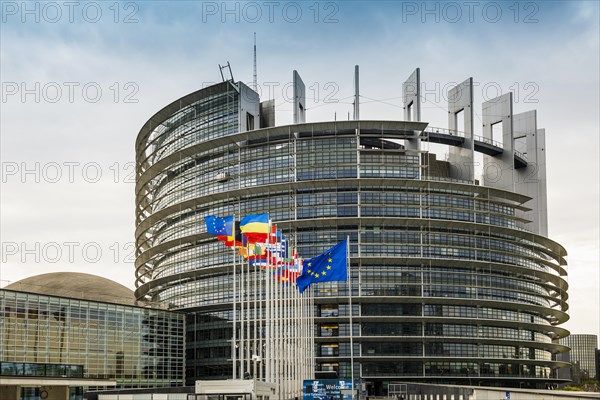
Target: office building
<point>453,277</point>
<point>583,351</point>
<point>63,333</point>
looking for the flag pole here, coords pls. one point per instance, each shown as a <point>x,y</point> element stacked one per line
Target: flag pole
<point>234,301</point>
<point>268,311</point>
<point>242,294</point>
<point>247,316</point>
<point>350,307</point>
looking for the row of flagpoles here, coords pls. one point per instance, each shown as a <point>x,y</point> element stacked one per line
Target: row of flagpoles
<point>272,321</point>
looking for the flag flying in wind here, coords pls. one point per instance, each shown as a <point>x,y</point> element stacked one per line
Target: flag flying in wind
<point>235,239</point>
<point>219,226</point>
<point>255,227</point>
<point>327,267</point>
<point>256,251</point>
<point>285,275</point>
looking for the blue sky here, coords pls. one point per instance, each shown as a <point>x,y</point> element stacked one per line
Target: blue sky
<point>143,55</point>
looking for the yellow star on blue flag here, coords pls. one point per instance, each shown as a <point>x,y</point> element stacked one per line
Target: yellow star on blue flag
<point>330,266</point>
<point>219,226</point>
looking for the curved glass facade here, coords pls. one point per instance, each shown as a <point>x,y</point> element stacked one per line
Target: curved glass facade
<point>445,286</point>
<point>60,337</point>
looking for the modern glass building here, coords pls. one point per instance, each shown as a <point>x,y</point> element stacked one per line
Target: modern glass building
<point>453,279</point>
<point>583,350</point>
<point>55,344</point>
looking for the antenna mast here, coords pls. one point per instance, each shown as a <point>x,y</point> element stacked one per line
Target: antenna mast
<point>254,81</point>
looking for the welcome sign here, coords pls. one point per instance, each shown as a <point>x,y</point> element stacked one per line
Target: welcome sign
<point>327,389</point>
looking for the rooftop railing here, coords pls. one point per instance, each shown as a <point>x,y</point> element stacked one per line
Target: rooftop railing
<point>444,131</point>
<point>487,141</point>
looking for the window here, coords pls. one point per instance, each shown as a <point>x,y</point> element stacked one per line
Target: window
<point>249,122</point>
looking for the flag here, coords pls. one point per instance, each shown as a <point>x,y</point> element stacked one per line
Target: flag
<point>274,235</point>
<point>278,247</point>
<point>256,251</point>
<point>259,262</point>
<point>255,227</point>
<point>327,267</point>
<point>286,276</point>
<point>219,226</point>
<point>235,239</point>
<point>295,262</point>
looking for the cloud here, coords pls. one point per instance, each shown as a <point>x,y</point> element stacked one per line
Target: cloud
<point>174,48</point>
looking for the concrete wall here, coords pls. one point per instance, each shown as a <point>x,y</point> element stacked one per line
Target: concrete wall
<point>9,392</point>
<point>460,98</point>
<point>499,170</point>
<point>13,392</point>
<point>249,104</point>
<point>531,180</point>
<point>299,99</point>
<point>411,94</point>
<point>417,391</point>
<point>56,392</point>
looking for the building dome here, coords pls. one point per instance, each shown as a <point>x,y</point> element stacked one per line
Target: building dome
<point>76,285</point>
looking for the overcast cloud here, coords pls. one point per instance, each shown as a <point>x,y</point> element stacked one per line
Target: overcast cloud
<point>77,85</point>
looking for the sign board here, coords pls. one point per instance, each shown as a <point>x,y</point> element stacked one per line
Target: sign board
<point>507,395</point>
<point>327,389</point>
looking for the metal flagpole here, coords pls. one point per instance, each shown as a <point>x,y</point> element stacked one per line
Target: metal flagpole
<point>311,313</point>
<point>350,306</point>
<point>253,320</point>
<point>288,333</point>
<point>234,301</point>
<point>280,354</point>
<point>270,311</point>
<point>277,328</point>
<point>268,328</point>
<point>296,331</point>
<point>286,325</point>
<point>273,317</point>
<point>258,322</point>
<point>242,328</point>
<point>248,335</point>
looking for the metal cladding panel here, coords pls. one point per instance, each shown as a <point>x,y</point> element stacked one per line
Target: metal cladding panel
<point>249,108</point>
<point>299,99</point>
<point>411,95</point>
<point>267,114</point>
<point>462,159</point>
<point>531,180</point>
<point>542,182</point>
<point>499,170</point>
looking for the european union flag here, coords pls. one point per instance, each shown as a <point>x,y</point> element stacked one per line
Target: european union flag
<point>328,267</point>
<point>219,226</point>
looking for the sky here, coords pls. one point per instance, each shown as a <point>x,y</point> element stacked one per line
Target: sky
<point>79,79</point>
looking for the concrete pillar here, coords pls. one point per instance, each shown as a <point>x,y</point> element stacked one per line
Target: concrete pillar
<point>299,98</point>
<point>499,170</point>
<point>462,159</point>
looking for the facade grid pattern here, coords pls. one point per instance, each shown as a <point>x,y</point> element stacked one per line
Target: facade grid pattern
<point>56,336</point>
<point>446,286</point>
